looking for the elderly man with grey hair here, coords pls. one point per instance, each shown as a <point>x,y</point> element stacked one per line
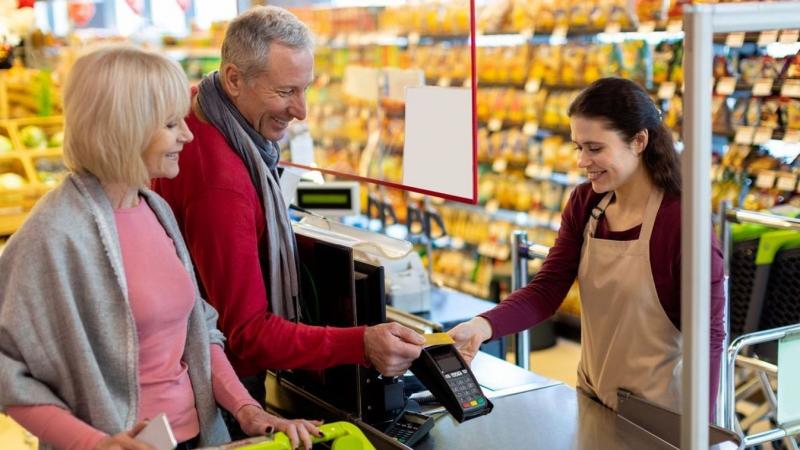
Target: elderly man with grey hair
<point>228,203</point>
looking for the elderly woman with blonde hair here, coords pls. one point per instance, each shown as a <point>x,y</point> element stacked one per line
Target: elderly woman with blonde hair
<point>102,325</point>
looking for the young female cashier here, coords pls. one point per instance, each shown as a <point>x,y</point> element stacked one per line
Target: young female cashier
<point>620,236</point>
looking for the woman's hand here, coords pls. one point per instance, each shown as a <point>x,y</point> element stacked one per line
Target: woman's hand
<point>470,335</point>
<point>124,440</point>
<point>255,422</point>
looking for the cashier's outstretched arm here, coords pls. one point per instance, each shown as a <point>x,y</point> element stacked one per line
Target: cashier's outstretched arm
<point>470,335</point>
<point>391,347</point>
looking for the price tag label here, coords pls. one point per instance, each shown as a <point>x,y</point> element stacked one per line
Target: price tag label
<point>762,135</point>
<point>560,32</point>
<point>530,128</point>
<point>767,37</point>
<point>735,40</point>
<point>495,124</point>
<point>533,86</point>
<point>527,33</point>
<point>485,248</point>
<point>744,135</point>
<point>467,83</point>
<point>500,165</point>
<point>791,88</point>
<point>413,38</point>
<point>546,172</point>
<point>791,136</point>
<point>444,82</point>
<point>765,179</point>
<point>726,86</point>
<point>787,182</point>
<point>667,90</point>
<point>648,26</point>
<point>762,87</point>
<point>789,36</point>
<point>456,243</point>
<point>613,27</point>
<point>675,26</point>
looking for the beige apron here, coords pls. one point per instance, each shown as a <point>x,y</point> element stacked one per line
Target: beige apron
<point>627,340</point>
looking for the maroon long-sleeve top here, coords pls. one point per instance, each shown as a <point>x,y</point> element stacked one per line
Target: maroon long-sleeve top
<point>544,294</point>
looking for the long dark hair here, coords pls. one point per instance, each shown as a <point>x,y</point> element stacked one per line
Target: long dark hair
<point>627,109</point>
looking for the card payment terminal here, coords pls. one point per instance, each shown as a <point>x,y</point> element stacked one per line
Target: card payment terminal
<point>442,370</point>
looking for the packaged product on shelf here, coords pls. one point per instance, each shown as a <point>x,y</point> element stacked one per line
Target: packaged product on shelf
<point>650,10</point>
<point>736,155</point>
<point>662,62</point>
<point>754,67</point>
<point>676,75</point>
<point>523,15</point>
<point>791,111</point>
<point>550,14</point>
<point>636,64</point>
<point>792,68</point>
<point>493,15</point>
<point>546,64</point>
<point>770,113</point>
<point>572,66</point>
<point>738,115</point>
<point>579,13</point>
<point>720,114</point>
<point>753,114</point>
<point>673,112</point>
<point>722,67</point>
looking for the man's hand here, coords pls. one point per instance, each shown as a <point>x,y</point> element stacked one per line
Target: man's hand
<point>470,335</point>
<point>391,348</point>
<point>124,440</point>
<point>257,422</point>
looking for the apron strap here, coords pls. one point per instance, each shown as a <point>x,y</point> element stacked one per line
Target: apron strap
<point>597,212</point>
<point>650,213</point>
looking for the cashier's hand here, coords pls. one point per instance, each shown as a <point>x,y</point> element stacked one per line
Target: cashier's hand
<point>257,422</point>
<point>124,440</point>
<point>391,348</point>
<point>470,335</point>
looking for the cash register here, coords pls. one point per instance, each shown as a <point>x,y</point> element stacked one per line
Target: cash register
<point>341,285</point>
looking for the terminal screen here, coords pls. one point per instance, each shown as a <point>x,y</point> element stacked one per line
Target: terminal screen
<point>449,364</point>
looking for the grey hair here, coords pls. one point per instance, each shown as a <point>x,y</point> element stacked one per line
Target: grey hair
<point>249,36</point>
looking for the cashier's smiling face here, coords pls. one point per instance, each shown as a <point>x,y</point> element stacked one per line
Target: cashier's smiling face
<point>608,160</point>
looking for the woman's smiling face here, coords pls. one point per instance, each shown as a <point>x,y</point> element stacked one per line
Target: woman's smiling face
<point>609,161</point>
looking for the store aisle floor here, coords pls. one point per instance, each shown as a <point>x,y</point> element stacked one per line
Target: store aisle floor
<point>559,362</point>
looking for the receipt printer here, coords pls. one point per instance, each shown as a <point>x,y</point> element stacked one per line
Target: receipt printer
<point>442,370</point>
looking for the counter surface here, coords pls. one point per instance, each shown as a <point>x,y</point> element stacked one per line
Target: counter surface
<point>552,418</point>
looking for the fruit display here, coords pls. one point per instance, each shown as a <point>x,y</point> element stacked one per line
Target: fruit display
<point>30,164</point>
<point>28,93</point>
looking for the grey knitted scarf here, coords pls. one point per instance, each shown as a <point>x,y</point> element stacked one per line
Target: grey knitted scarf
<point>260,156</point>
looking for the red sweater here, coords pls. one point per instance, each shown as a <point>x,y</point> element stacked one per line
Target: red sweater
<point>544,294</point>
<point>222,220</point>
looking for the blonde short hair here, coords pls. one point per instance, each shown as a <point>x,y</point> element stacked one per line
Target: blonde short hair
<point>115,99</point>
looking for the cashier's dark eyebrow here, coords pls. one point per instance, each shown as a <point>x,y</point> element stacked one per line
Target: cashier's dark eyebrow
<point>587,143</point>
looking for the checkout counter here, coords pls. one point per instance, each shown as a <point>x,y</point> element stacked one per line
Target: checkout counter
<point>529,411</point>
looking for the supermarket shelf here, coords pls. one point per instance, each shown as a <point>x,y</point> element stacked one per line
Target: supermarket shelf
<point>520,218</point>
<point>10,222</point>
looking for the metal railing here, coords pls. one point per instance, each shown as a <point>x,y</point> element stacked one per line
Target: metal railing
<point>726,401</point>
<point>522,251</point>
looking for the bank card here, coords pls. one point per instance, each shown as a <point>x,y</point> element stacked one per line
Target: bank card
<point>437,339</point>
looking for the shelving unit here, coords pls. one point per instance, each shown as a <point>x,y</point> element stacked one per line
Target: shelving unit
<point>32,172</point>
